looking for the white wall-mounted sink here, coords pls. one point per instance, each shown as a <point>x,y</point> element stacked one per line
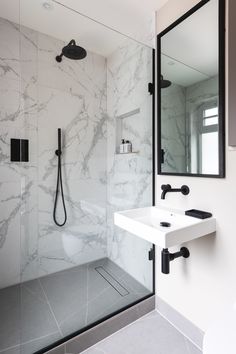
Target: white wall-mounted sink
<point>146,223</point>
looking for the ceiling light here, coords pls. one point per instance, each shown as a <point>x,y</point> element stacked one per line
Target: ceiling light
<point>47,5</point>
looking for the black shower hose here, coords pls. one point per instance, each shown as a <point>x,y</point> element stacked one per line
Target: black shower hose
<point>59,186</point>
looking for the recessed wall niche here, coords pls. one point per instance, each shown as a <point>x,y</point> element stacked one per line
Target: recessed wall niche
<point>125,124</point>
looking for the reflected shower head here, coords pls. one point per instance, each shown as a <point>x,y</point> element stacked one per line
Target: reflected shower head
<point>72,51</point>
<point>165,83</point>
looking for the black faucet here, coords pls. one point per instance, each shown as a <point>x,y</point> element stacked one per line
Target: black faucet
<point>167,188</point>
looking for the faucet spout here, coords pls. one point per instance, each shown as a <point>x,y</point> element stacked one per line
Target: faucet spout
<point>167,188</point>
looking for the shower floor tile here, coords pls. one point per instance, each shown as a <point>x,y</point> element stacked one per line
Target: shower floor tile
<point>39,312</point>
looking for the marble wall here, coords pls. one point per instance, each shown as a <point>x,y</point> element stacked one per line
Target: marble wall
<point>72,96</point>
<point>173,120</point>
<point>17,109</point>
<point>129,70</point>
<point>83,98</point>
<point>180,123</point>
<point>39,95</point>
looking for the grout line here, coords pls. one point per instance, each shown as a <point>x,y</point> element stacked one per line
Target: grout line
<point>38,297</point>
<point>49,305</point>
<point>30,341</point>
<point>172,324</point>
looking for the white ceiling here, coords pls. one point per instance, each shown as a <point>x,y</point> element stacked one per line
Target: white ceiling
<point>179,73</point>
<point>130,17</point>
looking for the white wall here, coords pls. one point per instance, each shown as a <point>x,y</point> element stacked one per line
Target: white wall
<point>205,284</point>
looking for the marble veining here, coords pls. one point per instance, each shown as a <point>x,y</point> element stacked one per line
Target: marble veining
<point>48,284</point>
<point>180,123</point>
<point>83,98</point>
<point>38,96</point>
<point>130,176</point>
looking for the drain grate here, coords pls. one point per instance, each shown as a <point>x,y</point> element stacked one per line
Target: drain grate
<point>112,281</point>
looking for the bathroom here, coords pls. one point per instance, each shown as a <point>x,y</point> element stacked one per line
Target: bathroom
<point>100,143</point>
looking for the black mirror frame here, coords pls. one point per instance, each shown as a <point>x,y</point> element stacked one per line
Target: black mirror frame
<point>221,36</point>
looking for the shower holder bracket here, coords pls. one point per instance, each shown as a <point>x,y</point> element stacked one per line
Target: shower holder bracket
<point>58,152</point>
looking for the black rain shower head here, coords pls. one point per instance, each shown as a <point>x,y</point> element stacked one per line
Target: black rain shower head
<point>165,83</point>
<point>72,51</point>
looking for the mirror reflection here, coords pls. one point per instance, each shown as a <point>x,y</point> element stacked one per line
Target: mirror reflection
<point>189,93</point>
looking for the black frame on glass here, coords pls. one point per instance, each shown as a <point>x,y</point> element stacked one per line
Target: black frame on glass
<point>73,335</point>
<point>221,38</point>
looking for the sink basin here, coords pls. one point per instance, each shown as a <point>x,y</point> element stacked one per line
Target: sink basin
<point>177,227</point>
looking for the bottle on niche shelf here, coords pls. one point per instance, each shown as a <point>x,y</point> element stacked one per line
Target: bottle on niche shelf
<point>122,146</point>
<point>127,147</point>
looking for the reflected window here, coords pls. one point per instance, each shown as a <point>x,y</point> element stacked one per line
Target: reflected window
<point>209,139</point>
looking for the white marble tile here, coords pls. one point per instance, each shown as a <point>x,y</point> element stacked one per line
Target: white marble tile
<point>180,122</point>
<point>83,133</point>
<point>29,224</point>
<point>129,176</point>
<point>174,128</point>
<point>10,109</point>
<point>84,236</point>
<point>83,76</point>
<point>10,207</point>
<point>9,50</point>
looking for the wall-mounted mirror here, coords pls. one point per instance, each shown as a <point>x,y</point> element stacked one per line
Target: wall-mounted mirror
<point>191,93</point>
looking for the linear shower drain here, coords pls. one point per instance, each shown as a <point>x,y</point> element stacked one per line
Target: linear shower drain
<point>112,281</point>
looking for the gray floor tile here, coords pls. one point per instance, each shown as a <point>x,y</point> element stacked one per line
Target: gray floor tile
<point>192,349</point>
<point>12,351</point>
<point>152,335</point>
<point>39,312</point>
<point>119,304</point>
<point>66,292</point>
<point>35,345</point>
<point>93,351</point>
<point>75,321</point>
<point>36,318</point>
<point>133,285</point>
<point>113,268</point>
<point>10,317</point>
<point>99,306</point>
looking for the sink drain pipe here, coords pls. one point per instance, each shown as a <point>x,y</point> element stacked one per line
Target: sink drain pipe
<point>167,257</point>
